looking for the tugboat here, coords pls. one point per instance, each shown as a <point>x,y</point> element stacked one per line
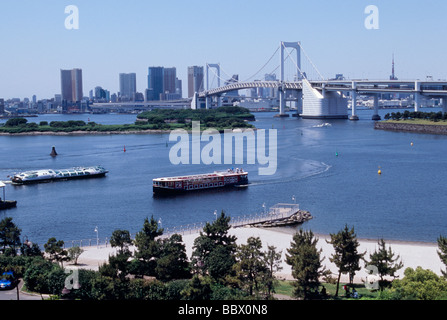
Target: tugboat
<point>47,175</point>
<point>217,179</point>
<point>6,204</point>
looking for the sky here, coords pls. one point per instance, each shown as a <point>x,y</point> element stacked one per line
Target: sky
<point>129,36</point>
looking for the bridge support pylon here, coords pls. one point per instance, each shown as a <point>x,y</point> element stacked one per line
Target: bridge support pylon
<point>376,116</point>
<point>354,116</point>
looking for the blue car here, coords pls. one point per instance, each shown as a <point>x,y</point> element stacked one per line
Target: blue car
<point>8,280</point>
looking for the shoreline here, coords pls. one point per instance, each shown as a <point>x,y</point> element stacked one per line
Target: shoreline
<point>117,132</point>
<point>438,129</point>
<point>412,254</point>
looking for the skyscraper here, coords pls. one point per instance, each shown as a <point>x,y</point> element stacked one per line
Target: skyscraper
<point>195,80</point>
<point>155,83</point>
<point>71,85</point>
<point>128,86</point>
<point>169,76</point>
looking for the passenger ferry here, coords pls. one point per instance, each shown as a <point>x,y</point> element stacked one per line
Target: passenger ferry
<point>217,179</point>
<point>46,175</point>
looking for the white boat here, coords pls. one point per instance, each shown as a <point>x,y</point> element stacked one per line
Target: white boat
<point>323,125</point>
<point>45,175</point>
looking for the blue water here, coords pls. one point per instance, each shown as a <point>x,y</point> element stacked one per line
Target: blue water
<point>406,202</point>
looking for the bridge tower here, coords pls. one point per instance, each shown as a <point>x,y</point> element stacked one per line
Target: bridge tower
<point>217,67</point>
<point>297,47</point>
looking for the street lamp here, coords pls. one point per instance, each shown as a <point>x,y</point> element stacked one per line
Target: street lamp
<point>215,214</point>
<point>294,199</point>
<point>97,237</point>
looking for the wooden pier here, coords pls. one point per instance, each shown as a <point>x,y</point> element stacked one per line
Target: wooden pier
<point>280,215</point>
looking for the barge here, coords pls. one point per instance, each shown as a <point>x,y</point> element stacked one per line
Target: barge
<point>47,175</point>
<point>217,179</point>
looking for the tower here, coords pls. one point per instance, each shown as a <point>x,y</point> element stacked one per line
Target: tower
<point>393,76</point>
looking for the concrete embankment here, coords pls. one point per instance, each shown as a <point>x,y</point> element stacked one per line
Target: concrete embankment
<point>409,127</point>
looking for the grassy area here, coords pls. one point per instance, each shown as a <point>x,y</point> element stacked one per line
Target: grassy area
<point>286,288</point>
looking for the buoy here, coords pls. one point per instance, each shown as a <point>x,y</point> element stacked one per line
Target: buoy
<point>379,172</point>
<point>124,149</point>
<point>53,152</point>
<point>412,144</point>
<point>336,154</point>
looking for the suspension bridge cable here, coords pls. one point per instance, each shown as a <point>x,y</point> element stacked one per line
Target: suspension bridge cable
<point>268,61</point>
<point>307,57</point>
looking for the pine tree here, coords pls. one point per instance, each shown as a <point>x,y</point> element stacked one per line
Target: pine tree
<point>346,256</point>
<point>385,262</point>
<point>214,250</point>
<point>304,257</point>
<point>442,253</point>
<point>250,266</point>
<point>148,249</point>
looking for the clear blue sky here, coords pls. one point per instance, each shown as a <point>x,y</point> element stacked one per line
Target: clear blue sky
<point>129,36</point>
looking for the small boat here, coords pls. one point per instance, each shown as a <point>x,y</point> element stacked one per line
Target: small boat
<point>6,204</point>
<point>47,175</point>
<point>323,125</point>
<point>217,179</point>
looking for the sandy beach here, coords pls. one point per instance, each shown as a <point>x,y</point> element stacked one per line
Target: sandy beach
<point>413,254</point>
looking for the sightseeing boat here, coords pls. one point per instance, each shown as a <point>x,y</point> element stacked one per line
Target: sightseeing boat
<point>217,179</point>
<point>46,175</point>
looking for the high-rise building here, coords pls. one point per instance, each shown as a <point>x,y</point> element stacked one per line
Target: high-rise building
<point>169,77</point>
<point>71,85</point>
<point>2,106</point>
<point>195,80</point>
<point>155,83</point>
<point>128,86</point>
<point>178,87</point>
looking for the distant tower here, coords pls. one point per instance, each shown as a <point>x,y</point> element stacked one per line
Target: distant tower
<point>393,76</point>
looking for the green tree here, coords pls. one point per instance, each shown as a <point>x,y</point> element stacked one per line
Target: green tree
<point>419,284</point>
<point>9,236</point>
<point>273,261</point>
<point>198,288</point>
<point>306,262</point>
<point>13,122</point>
<point>346,257</point>
<point>55,250</point>
<point>442,252</point>
<point>173,261</point>
<point>74,253</point>
<point>121,239</point>
<point>385,261</point>
<point>250,266</point>
<point>214,250</point>
<point>147,248</point>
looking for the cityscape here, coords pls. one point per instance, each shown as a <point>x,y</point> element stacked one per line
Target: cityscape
<point>165,89</point>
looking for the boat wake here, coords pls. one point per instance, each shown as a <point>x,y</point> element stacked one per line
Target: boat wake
<point>304,169</point>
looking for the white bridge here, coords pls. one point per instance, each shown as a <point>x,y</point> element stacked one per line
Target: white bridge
<point>324,98</point>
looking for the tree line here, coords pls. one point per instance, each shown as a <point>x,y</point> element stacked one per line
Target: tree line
<point>406,115</point>
<point>156,267</point>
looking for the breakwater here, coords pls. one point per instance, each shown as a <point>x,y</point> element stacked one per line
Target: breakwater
<point>410,127</point>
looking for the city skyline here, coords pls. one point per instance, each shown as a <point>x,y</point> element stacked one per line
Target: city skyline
<point>239,36</point>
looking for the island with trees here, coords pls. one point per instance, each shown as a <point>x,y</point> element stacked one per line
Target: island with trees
<point>155,121</point>
<point>414,121</point>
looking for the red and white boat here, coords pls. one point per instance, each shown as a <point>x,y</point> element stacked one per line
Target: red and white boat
<point>217,179</point>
